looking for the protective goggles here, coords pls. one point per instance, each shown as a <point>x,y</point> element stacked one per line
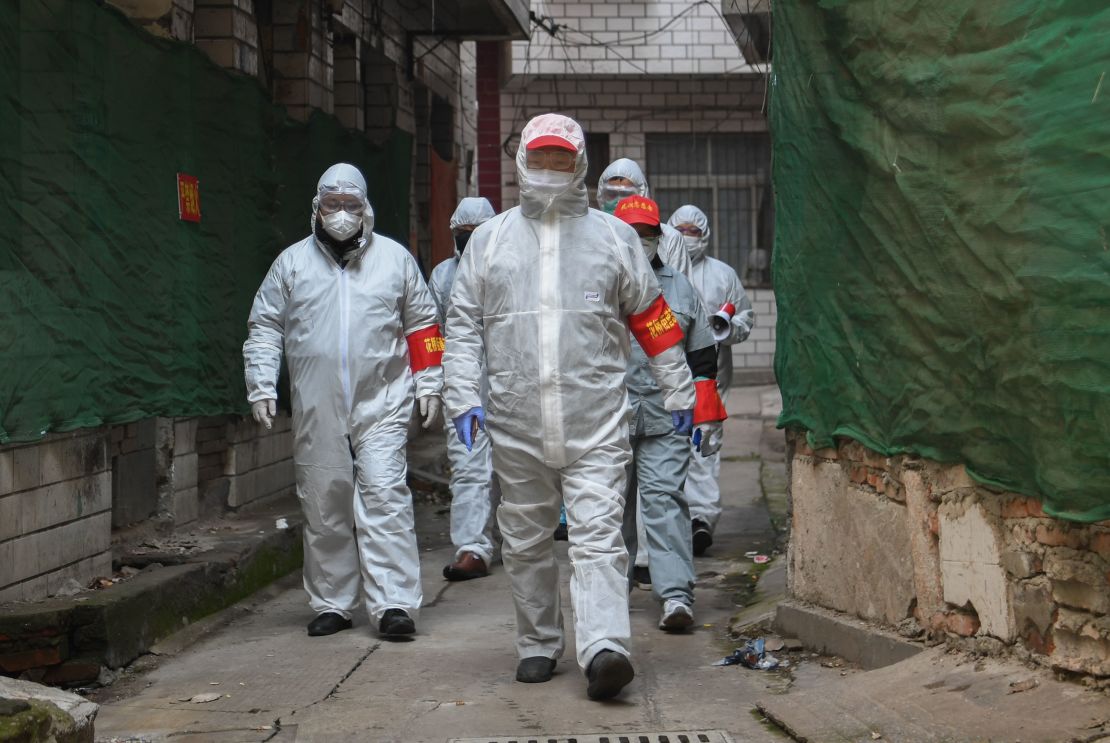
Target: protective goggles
<point>615,193</point>
<point>350,200</point>
<point>688,229</point>
<point>550,159</point>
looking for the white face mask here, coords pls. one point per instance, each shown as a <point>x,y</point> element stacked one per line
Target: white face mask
<point>651,246</point>
<point>342,225</point>
<point>695,246</point>
<point>550,182</point>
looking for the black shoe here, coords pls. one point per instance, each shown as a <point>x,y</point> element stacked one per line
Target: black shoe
<point>641,576</point>
<point>703,538</point>
<point>535,670</point>
<point>396,623</point>
<point>327,623</point>
<point>609,672</point>
<point>561,533</point>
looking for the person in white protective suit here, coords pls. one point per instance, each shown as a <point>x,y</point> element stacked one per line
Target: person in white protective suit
<point>359,332</point>
<point>546,294</point>
<point>474,490</point>
<point>731,316</point>
<point>660,456</point>
<point>624,178</point>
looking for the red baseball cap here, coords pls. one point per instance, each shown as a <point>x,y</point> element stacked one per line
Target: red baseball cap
<point>551,140</point>
<point>637,210</point>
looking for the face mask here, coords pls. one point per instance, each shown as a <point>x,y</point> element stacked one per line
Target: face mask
<point>651,246</point>
<point>610,196</point>
<point>461,240</point>
<point>695,246</point>
<point>550,182</point>
<point>341,225</point>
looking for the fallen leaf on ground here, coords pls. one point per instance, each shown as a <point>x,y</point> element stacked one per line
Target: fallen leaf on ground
<point>1019,686</point>
<point>876,736</point>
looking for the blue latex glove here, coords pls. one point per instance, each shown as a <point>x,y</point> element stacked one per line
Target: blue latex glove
<point>683,420</point>
<point>467,425</point>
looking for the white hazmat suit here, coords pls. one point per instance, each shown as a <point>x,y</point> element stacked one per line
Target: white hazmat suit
<point>474,492</point>
<point>546,294</point>
<point>672,250</point>
<point>719,287</point>
<point>359,339</point>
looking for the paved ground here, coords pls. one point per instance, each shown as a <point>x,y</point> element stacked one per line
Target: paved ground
<point>456,678</point>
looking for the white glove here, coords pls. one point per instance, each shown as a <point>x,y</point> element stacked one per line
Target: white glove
<point>264,412</point>
<point>712,435</point>
<point>430,408</point>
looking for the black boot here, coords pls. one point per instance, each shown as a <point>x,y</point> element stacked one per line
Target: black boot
<point>701,536</point>
<point>535,670</point>
<point>396,623</point>
<point>327,623</point>
<point>609,672</point>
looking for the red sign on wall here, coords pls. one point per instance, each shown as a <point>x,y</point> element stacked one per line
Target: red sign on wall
<point>188,197</point>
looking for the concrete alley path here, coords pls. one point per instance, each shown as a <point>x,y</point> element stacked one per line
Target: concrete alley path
<point>455,679</point>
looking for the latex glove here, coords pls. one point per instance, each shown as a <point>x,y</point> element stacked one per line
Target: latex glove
<point>707,438</point>
<point>430,408</point>
<point>467,425</point>
<point>683,420</point>
<point>264,412</point>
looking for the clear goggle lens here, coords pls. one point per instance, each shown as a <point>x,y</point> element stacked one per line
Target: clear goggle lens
<point>552,159</point>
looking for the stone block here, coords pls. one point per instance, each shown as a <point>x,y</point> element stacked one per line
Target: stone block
<point>971,565</point>
<point>1033,605</point>
<point>7,472</point>
<point>864,565</point>
<point>1081,595</point>
<point>134,487</point>
<point>241,489</point>
<point>34,555</point>
<point>213,22</point>
<point>1082,643</point>
<point>144,430</point>
<point>1099,542</point>
<point>186,505</point>
<point>241,458</point>
<point>1021,564</point>
<point>220,51</point>
<point>60,502</point>
<point>1058,534</point>
<point>25,473</point>
<point>185,471</point>
<point>184,436</point>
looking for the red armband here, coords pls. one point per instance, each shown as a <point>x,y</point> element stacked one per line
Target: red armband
<point>656,328</point>
<point>708,407</point>
<point>425,348</point>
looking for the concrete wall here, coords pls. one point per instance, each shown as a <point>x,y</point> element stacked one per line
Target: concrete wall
<point>918,546</point>
<point>55,514</point>
<point>61,498</point>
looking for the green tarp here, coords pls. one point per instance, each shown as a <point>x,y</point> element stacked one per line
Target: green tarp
<point>942,256</point>
<point>113,308</point>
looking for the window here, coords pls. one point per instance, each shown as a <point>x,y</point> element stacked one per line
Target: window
<point>597,159</point>
<point>728,176</point>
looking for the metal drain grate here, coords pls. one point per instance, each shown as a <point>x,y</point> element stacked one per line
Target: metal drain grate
<point>682,736</point>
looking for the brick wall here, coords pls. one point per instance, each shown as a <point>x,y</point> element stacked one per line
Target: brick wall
<point>758,351</point>
<point>55,514</point>
<point>629,108</point>
<point>601,37</point>
<point>920,547</point>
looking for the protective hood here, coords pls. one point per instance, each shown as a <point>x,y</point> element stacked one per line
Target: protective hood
<point>690,214</point>
<point>472,210</point>
<point>344,178</point>
<point>625,168</point>
<point>573,201</point>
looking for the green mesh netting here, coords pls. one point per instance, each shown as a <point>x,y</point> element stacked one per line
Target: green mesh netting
<point>942,262</point>
<point>113,309</point>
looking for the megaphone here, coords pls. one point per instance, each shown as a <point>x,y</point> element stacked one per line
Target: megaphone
<point>721,322</point>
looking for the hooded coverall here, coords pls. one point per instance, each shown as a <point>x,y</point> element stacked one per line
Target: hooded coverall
<point>359,341</point>
<point>546,294</point>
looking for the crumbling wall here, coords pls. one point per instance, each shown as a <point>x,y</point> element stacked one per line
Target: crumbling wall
<point>918,546</point>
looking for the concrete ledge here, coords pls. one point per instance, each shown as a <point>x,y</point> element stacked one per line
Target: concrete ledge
<point>836,634</point>
<point>66,641</point>
<point>37,712</point>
